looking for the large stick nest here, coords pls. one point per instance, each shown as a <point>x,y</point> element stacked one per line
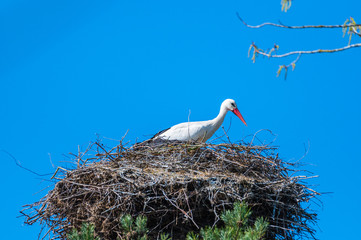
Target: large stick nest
<point>179,187</point>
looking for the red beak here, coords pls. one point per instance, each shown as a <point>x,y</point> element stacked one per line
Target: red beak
<point>236,111</point>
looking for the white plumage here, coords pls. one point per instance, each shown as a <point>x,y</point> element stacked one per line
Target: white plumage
<point>199,131</point>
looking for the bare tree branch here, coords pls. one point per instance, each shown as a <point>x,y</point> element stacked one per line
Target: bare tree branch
<point>260,51</point>
<point>349,27</point>
<point>284,67</point>
<point>296,27</point>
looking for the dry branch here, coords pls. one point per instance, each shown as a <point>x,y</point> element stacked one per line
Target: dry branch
<point>308,52</point>
<point>180,187</point>
<point>280,25</point>
<point>350,27</point>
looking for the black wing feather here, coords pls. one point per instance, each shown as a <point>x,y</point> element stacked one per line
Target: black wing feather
<point>159,133</point>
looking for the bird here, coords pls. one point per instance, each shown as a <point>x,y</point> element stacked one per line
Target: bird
<point>199,131</point>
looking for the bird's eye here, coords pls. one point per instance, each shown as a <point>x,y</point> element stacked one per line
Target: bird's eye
<point>233,105</point>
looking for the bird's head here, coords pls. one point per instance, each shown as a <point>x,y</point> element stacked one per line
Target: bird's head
<point>231,105</point>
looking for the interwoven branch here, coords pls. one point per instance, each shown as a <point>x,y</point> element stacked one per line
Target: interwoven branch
<point>179,187</point>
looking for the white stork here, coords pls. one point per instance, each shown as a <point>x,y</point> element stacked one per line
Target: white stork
<point>199,131</point>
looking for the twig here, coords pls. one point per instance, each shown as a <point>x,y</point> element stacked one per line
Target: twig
<point>349,26</point>
<point>309,52</point>
<point>27,169</point>
<point>175,205</point>
<point>270,54</point>
<point>295,27</point>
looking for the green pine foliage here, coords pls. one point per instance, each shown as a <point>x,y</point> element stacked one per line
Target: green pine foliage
<point>86,233</point>
<point>133,230</point>
<point>236,227</point>
<point>164,236</point>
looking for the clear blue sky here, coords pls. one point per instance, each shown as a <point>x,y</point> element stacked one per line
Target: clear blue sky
<point>72,69</point>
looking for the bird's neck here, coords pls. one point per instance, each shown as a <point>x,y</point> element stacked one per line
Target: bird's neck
<point>217,122</point>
